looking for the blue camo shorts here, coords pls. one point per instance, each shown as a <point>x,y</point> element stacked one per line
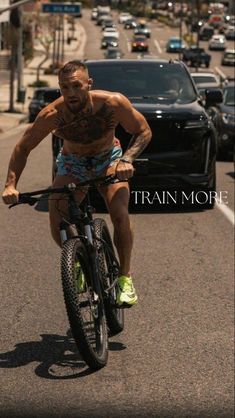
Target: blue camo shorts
<point>86,168</point>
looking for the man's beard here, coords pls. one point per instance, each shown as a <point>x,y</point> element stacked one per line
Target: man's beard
<point>78,106</point>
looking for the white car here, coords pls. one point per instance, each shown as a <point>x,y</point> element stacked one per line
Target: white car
<point>110,32</point>
<point>205,81</point>
<point>124,16</point>
<point>217,43</point>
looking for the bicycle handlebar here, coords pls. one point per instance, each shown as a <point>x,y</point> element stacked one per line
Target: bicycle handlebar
<point>28,198</point>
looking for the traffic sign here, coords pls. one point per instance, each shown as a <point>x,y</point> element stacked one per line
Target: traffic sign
<point>71,8</point>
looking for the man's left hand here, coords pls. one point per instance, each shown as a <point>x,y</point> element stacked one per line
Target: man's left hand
<point>124,170</point>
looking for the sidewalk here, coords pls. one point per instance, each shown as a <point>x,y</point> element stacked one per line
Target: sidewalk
<point>75,50</point>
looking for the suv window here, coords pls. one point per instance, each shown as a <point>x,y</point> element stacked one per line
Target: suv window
<point>229,96</point>
<point>149,80</point>
<point>204,79</point>
<point>39,95</point>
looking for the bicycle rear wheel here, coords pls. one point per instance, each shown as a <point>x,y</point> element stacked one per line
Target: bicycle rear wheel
<point>109,269</point>
<point>84,307</point>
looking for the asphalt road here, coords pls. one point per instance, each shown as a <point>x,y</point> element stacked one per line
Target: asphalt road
<point>175,357</point>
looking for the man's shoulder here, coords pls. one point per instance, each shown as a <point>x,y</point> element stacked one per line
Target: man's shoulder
<point>51,110</point>
<point>109,97</point>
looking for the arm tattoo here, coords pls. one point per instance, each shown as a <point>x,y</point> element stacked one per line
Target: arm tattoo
<point>137,144</point>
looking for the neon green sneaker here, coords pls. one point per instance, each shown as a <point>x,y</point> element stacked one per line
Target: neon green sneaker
<point>126,294</point>
<point>80,283</point>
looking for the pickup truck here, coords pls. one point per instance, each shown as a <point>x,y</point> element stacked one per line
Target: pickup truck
<point>195,57</point>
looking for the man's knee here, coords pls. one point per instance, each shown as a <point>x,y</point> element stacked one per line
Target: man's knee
<point>120,217</point>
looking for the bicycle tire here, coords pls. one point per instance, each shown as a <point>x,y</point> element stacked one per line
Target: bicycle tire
<point>107,259</point>
<point>86,318</point>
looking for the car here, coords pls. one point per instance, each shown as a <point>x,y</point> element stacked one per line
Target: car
<point>182,153</point>
<point>108,41</point>
<point>217,43</point>
<point>230,33</point>
<point>41,97</point>
<point>102,18</point>
<point>147,56</point>
<point>130,23</point>
<point>216,20</point>
<point>139,43</point>
<point>205,81</point>
<point>110,32</point>
<point>206,32</point>
<point>175,44</point>
<point>223,116</point>
<point>113,53</point>
<point>94,13</point>
<point>124,16</point>
<point>196,57</point>
<point>107,23</point>
<point>142,29</point>
<point>228,57</point>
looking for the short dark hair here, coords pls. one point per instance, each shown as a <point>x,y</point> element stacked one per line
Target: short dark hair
<point>71,67</point>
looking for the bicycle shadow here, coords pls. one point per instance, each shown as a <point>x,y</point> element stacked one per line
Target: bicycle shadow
<point>57,354</point>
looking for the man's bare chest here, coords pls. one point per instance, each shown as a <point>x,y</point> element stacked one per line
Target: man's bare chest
<point>85,128</point>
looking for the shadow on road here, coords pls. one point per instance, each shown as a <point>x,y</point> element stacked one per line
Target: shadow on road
<point>58,357</point>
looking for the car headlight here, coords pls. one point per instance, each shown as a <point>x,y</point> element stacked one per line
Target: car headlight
<point>228,118</point>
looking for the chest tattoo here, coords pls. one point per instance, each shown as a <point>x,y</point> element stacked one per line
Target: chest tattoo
<point>86,128</point>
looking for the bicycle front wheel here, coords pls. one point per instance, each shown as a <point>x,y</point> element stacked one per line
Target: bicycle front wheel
<point>84,307</point>
<point>109,269</point>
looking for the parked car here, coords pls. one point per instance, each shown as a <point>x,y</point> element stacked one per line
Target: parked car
<point>205,81</point>
<point>113,53</point>
<point>206,32</point>
<point>228,57</point>
<point>217,43</point>
<point>195,57</point>
<point>41,97</point>
<point>223,116</point>
<point>182,153</point>
<point>108,41</point>
<point>139,43</point>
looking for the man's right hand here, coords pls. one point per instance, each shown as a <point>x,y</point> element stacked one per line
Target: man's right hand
<point>10,195</point>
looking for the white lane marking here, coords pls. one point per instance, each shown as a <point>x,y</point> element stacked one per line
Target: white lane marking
<point>228,213</point>
<point>128,41</point>
<point>158,46</point>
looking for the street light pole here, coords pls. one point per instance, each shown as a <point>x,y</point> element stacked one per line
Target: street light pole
<point>20,54</point>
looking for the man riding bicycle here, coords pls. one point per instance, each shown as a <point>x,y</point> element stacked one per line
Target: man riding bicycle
<point>86,122</point>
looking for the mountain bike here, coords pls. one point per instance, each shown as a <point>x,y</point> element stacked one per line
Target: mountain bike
<point>89,271</point>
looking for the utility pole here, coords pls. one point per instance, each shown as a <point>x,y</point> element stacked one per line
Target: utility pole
<point>16,49</point>
<point>20,57</point>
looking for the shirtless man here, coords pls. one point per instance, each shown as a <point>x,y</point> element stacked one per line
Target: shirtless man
<point>86,122</point>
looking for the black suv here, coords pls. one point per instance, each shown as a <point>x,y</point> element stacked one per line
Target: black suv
<point>41,97</point>
<point>182,153</point>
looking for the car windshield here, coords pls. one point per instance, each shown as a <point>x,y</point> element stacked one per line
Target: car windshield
<point>162,82</point>
<point>39,95</point>
<point>229,96</point>
<point>204,79</point>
